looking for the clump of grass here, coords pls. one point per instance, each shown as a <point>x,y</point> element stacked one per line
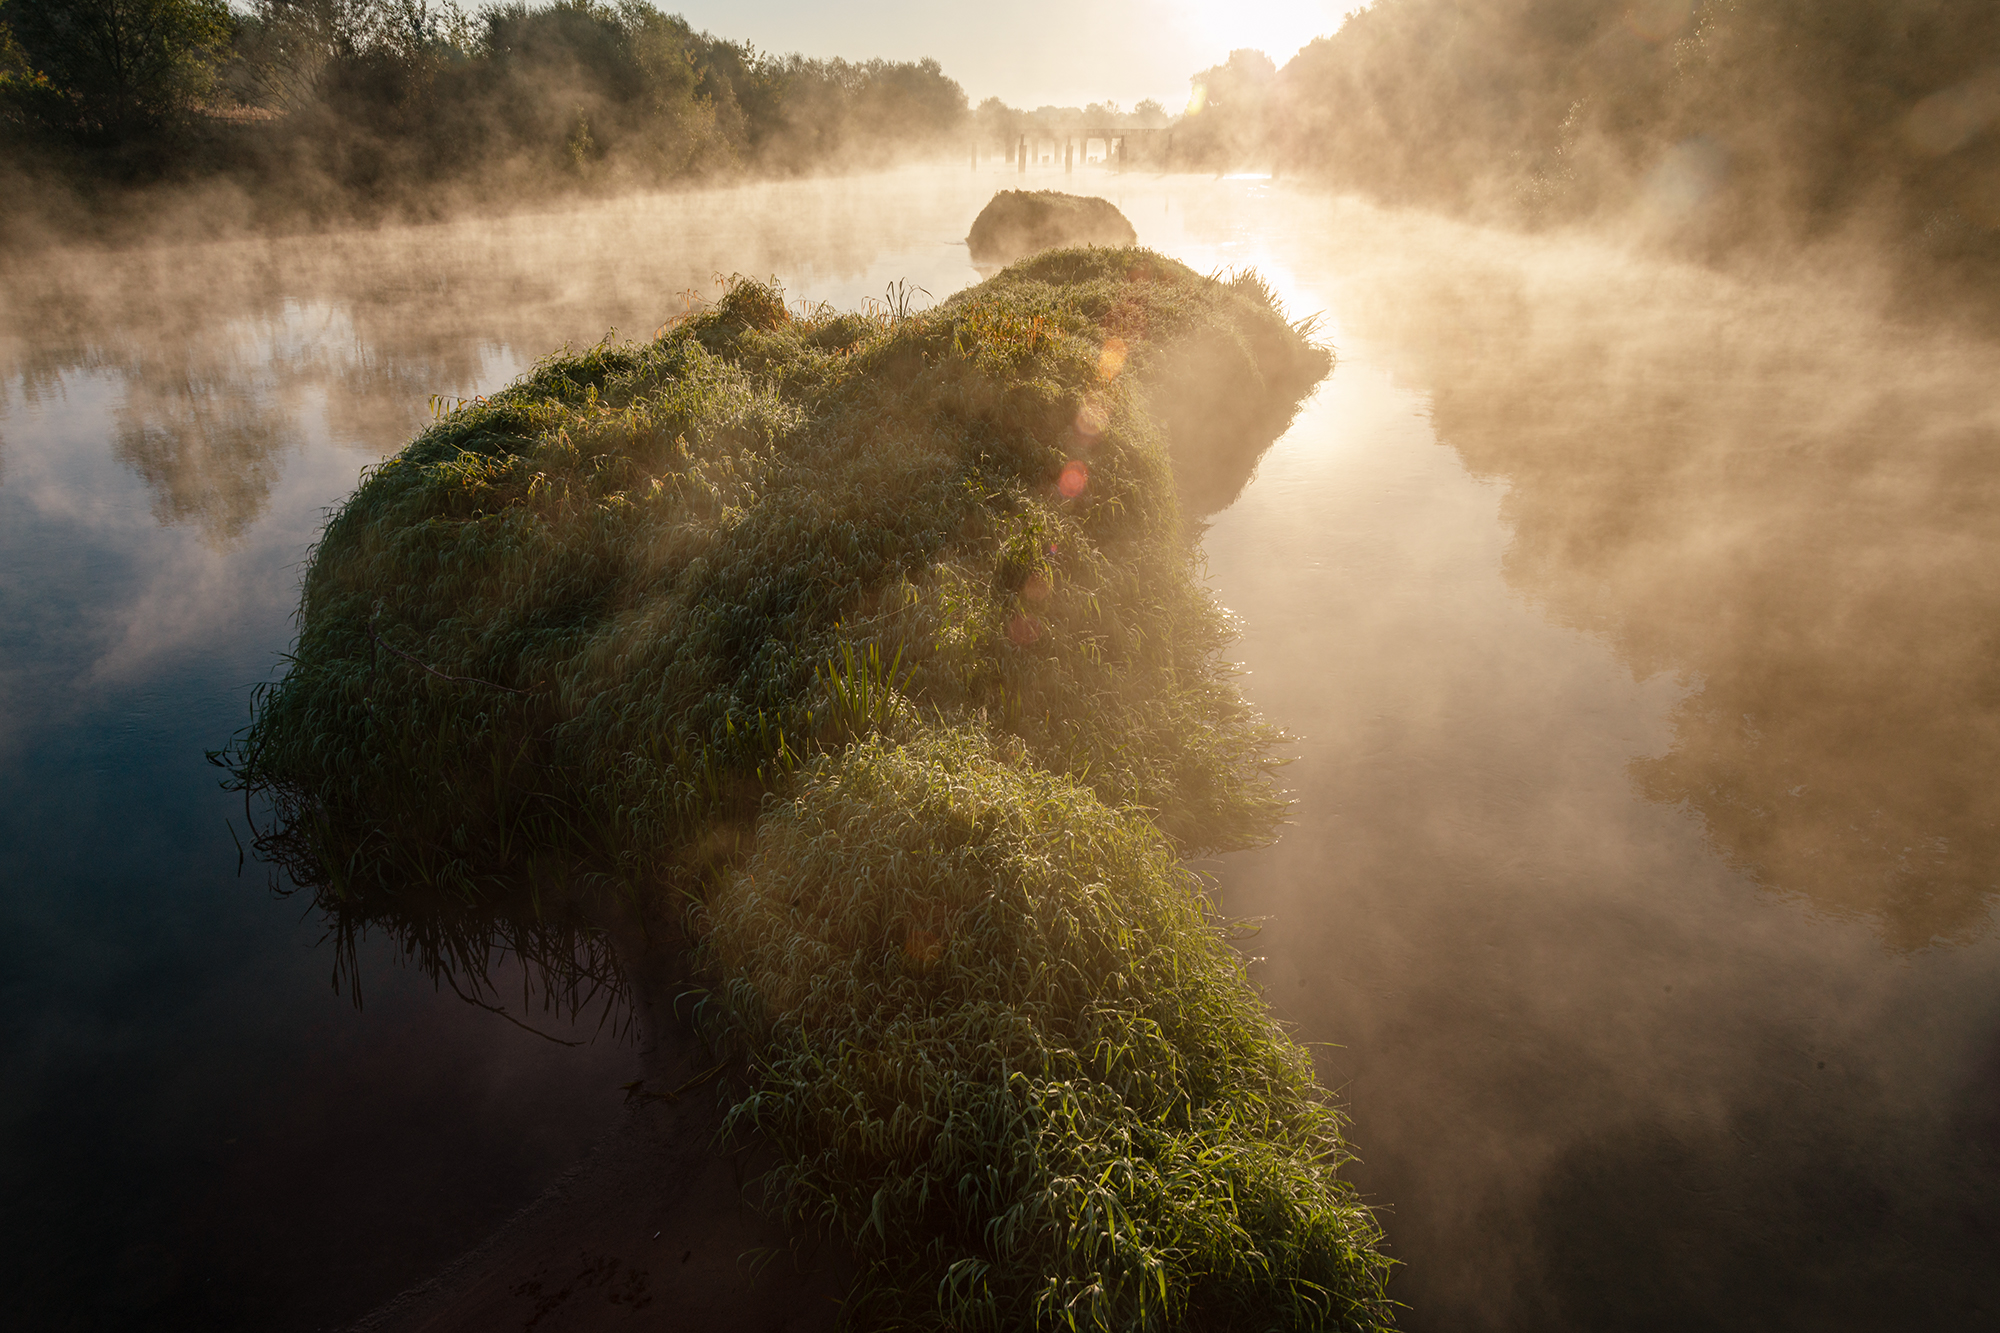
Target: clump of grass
<point>1003,1052</point>
<point>660,606</point>
<point>587,617</point>
<point>1020,222</point>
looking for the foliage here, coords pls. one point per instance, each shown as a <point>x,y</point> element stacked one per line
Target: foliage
<point>1232,112</point>
<point>819,112</point>
<point>1721,119</point>
<point>22,87</point>
<point>385,95</point>
<point>113,71</point>
<point>291,52</point>
<point>1005,1055</point>
<point>903,607</point>
<point>389,99</point>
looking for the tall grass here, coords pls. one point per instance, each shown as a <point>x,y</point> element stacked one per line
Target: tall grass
<point>817,590</point>
<point>1003,1052</point>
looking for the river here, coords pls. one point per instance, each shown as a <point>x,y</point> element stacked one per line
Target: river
<point>1636,626</point>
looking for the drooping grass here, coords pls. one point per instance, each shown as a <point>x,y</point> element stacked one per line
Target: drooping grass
<point>1005,1054</point>
<point>1021,222</point>
<point>798,586</point>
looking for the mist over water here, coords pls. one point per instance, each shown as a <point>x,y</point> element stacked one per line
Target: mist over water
<point>199,1131</point>
<point>1636,624</point>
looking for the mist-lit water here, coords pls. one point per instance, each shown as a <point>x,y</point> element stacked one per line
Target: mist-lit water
<point>1638,627</point>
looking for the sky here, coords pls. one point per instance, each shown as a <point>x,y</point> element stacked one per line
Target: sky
<point>1032,53</point>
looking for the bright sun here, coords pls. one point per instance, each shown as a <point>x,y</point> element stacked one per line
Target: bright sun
<point>1278,28</point>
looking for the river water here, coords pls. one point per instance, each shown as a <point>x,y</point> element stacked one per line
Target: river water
<point>1637,627</point>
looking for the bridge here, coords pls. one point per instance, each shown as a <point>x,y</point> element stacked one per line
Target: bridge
<point>1122,148</point>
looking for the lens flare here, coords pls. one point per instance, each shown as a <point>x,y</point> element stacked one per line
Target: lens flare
<point>1090,420</point>
<point>1074,479</point>
<point>1687,176</point>
<point>922,947</point>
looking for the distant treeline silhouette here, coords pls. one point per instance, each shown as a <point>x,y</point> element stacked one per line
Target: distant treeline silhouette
<point>1724,119</point>
<point>1714,122</point>
<point>357,97</point>
<point>997,126</point>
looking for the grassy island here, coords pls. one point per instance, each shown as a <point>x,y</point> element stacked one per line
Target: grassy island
<point>1020,222</point>
<point>876,647</point>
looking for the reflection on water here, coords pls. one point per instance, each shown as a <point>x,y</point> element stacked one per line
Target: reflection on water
<point>1783,500</point>
<point>196,1131</point>
<point>224,353</point>
<point>206,444</point>
<point>1638,624</point>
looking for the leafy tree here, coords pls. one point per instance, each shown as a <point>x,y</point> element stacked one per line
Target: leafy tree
<point>289,45</point>
<point>119,70</point>
<point>1228,113</point>
<point>15,68</point>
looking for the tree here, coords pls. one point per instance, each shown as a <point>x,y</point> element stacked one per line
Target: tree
<point>288,46</point>
<point>123,69</point>
<point>23,89</point>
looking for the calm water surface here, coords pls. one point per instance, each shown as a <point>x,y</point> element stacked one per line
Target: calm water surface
<point>1638,628</point>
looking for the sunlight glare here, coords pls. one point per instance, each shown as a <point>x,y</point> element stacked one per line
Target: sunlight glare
<point>1278,28</point>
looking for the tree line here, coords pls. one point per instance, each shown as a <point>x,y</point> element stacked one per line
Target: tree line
<point>1715,121</point>
<point>998,127</point>
<point>360,97</point>
<point>1724,119</point>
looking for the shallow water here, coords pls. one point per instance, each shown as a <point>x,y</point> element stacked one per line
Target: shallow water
<point>1637,626</point>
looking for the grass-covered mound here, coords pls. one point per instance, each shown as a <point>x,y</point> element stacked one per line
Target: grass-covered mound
<point>1004,1051</point>
<point>882,643</point>
<point>1022,222</point>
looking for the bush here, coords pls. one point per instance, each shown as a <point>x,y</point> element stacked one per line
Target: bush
<point>113,72</point>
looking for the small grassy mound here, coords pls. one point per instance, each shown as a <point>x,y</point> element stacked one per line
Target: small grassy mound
<point>1006,1054</point>
<point>1022,222</point>
<point>881,641</point>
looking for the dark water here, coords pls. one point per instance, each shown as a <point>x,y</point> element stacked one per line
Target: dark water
<point>1638,625</point>
<point>196,1130</point>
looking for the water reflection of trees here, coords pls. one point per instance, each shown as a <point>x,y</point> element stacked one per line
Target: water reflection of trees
<point>207,446</point>
<point>1785,501</point>
<point>230,355</point>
